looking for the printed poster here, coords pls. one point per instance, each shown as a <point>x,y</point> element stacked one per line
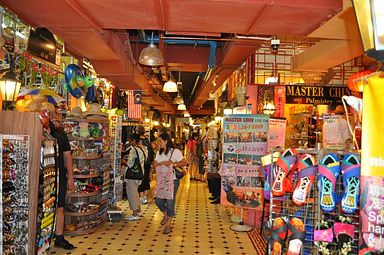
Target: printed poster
<point>244,142</point>
<point>372,169</point>
<point>335,132</point>
<point>276,133</point>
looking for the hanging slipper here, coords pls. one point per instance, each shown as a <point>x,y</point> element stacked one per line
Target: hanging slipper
<point>323,236</point>
<point>329,170</point>
<point>277,236</point>
<point>266,170</point>
<point>344,235</point>
<point>286,163</point>
<point>307,170</point>
<point>296,236</point>
<point>350,167</point>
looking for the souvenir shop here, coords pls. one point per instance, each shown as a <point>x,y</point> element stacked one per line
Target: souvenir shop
<point>295,157</point>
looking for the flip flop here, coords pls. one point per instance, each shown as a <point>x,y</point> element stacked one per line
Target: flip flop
<point>296,236</point>
<point>163,221</point>
<point>277,236</point>
<point>281,184</point>
<point>307,170</point>
<point>329,170</point>
<point>344,235</point>
<point>350,167</point>
<point>266,170</point>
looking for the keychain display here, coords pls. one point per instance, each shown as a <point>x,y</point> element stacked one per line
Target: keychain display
<point>47,195</point>
<point>14,206</point>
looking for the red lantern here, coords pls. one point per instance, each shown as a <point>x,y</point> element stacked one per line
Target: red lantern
<point>357,85</point>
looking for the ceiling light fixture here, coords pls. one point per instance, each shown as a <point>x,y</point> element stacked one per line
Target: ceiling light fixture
<point>151,55</point>
<point>170,86</point>
<point>181,107</point>
<point>186,114</point>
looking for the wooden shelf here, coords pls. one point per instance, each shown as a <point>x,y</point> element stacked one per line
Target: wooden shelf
<point>83,194</point>
<point>88,157</point>
<point>82,213</point>
<point>85,176</point>
<point>93,120</point>
<point>75,138</point>
<point>83,232</point>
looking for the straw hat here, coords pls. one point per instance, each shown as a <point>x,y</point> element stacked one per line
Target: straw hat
<point>95,111</point>
<point>76,112</point>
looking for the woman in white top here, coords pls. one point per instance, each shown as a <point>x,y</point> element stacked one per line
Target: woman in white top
<point>166,182</point>
<point>132,184</point>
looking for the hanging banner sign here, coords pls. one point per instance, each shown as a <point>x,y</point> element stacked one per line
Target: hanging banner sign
<point>244,142</point>
<point>276,133</point>
<point>372,169</point>
<point>308,94</point>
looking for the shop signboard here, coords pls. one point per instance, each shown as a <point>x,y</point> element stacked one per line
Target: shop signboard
<point>244,142</point>
<point>372,169</point>
<point>311,94</point>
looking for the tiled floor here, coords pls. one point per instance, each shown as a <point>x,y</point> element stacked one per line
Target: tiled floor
<point>199,228</point>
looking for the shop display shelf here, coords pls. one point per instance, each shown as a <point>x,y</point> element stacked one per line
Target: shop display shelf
<point>84,232</point>
<point>88,157</point>
<point>83,194</point>
<point>86,176</point>
<point>92,212</point>
<point>92,120</point>
<point>75,138</point>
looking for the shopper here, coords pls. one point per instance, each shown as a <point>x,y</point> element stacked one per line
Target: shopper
<point>65,166</point>
<point>145,186</point>
<point>166,182</point>
<point>193,158</point>
<point>132,184</point>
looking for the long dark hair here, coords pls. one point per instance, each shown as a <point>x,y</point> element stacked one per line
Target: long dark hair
<point>168,145</point>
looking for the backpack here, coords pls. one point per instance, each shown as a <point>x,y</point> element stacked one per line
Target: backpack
<point>135,172</point>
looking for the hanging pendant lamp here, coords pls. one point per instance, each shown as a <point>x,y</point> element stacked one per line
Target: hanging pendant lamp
<point>181,107</point>
<point>151,55</point>
<point>170,86</point>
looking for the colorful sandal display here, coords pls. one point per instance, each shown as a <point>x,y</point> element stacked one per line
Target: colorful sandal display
<point>350,167</point>
<point>277,236</point>
<point>296,236</point>
<point>344,235</point>
<point>307,169</point>
<point>286,164</point>
<point>329,170</point>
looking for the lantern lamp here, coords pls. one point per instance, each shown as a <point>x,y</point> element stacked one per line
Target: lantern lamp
<point>370,19</point>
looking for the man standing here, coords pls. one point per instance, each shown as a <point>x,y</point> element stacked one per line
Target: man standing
<point>65,166</point>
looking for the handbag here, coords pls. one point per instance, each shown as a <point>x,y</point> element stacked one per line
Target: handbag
<point>179,172</point>
<point>135,172</point>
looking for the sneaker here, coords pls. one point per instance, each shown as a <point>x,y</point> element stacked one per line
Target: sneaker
<point>140,214</point>
<point>132,218</point>
<point>214,202</point>
<point>143,201</point>
<point>64,244</point>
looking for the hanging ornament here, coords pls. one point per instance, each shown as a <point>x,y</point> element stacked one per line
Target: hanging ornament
<point>357,86</point>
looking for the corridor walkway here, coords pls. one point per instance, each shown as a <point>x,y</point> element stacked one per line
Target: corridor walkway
<point>199,228</point>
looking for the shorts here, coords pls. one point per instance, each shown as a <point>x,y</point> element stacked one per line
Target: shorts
<point>63,184</point>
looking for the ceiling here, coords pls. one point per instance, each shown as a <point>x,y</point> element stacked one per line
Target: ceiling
<point>112,33</point>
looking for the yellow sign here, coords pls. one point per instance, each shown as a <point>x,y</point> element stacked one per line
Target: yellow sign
<point>372,147</point>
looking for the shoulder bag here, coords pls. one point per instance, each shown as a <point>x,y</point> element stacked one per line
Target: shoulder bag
<point>179,172</point>
<point>135,172</point>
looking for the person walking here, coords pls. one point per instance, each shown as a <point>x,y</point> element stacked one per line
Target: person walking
<point>145,186</point>
<point>66,181</point>
<point>167,184</point>
<point>135,159</point>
